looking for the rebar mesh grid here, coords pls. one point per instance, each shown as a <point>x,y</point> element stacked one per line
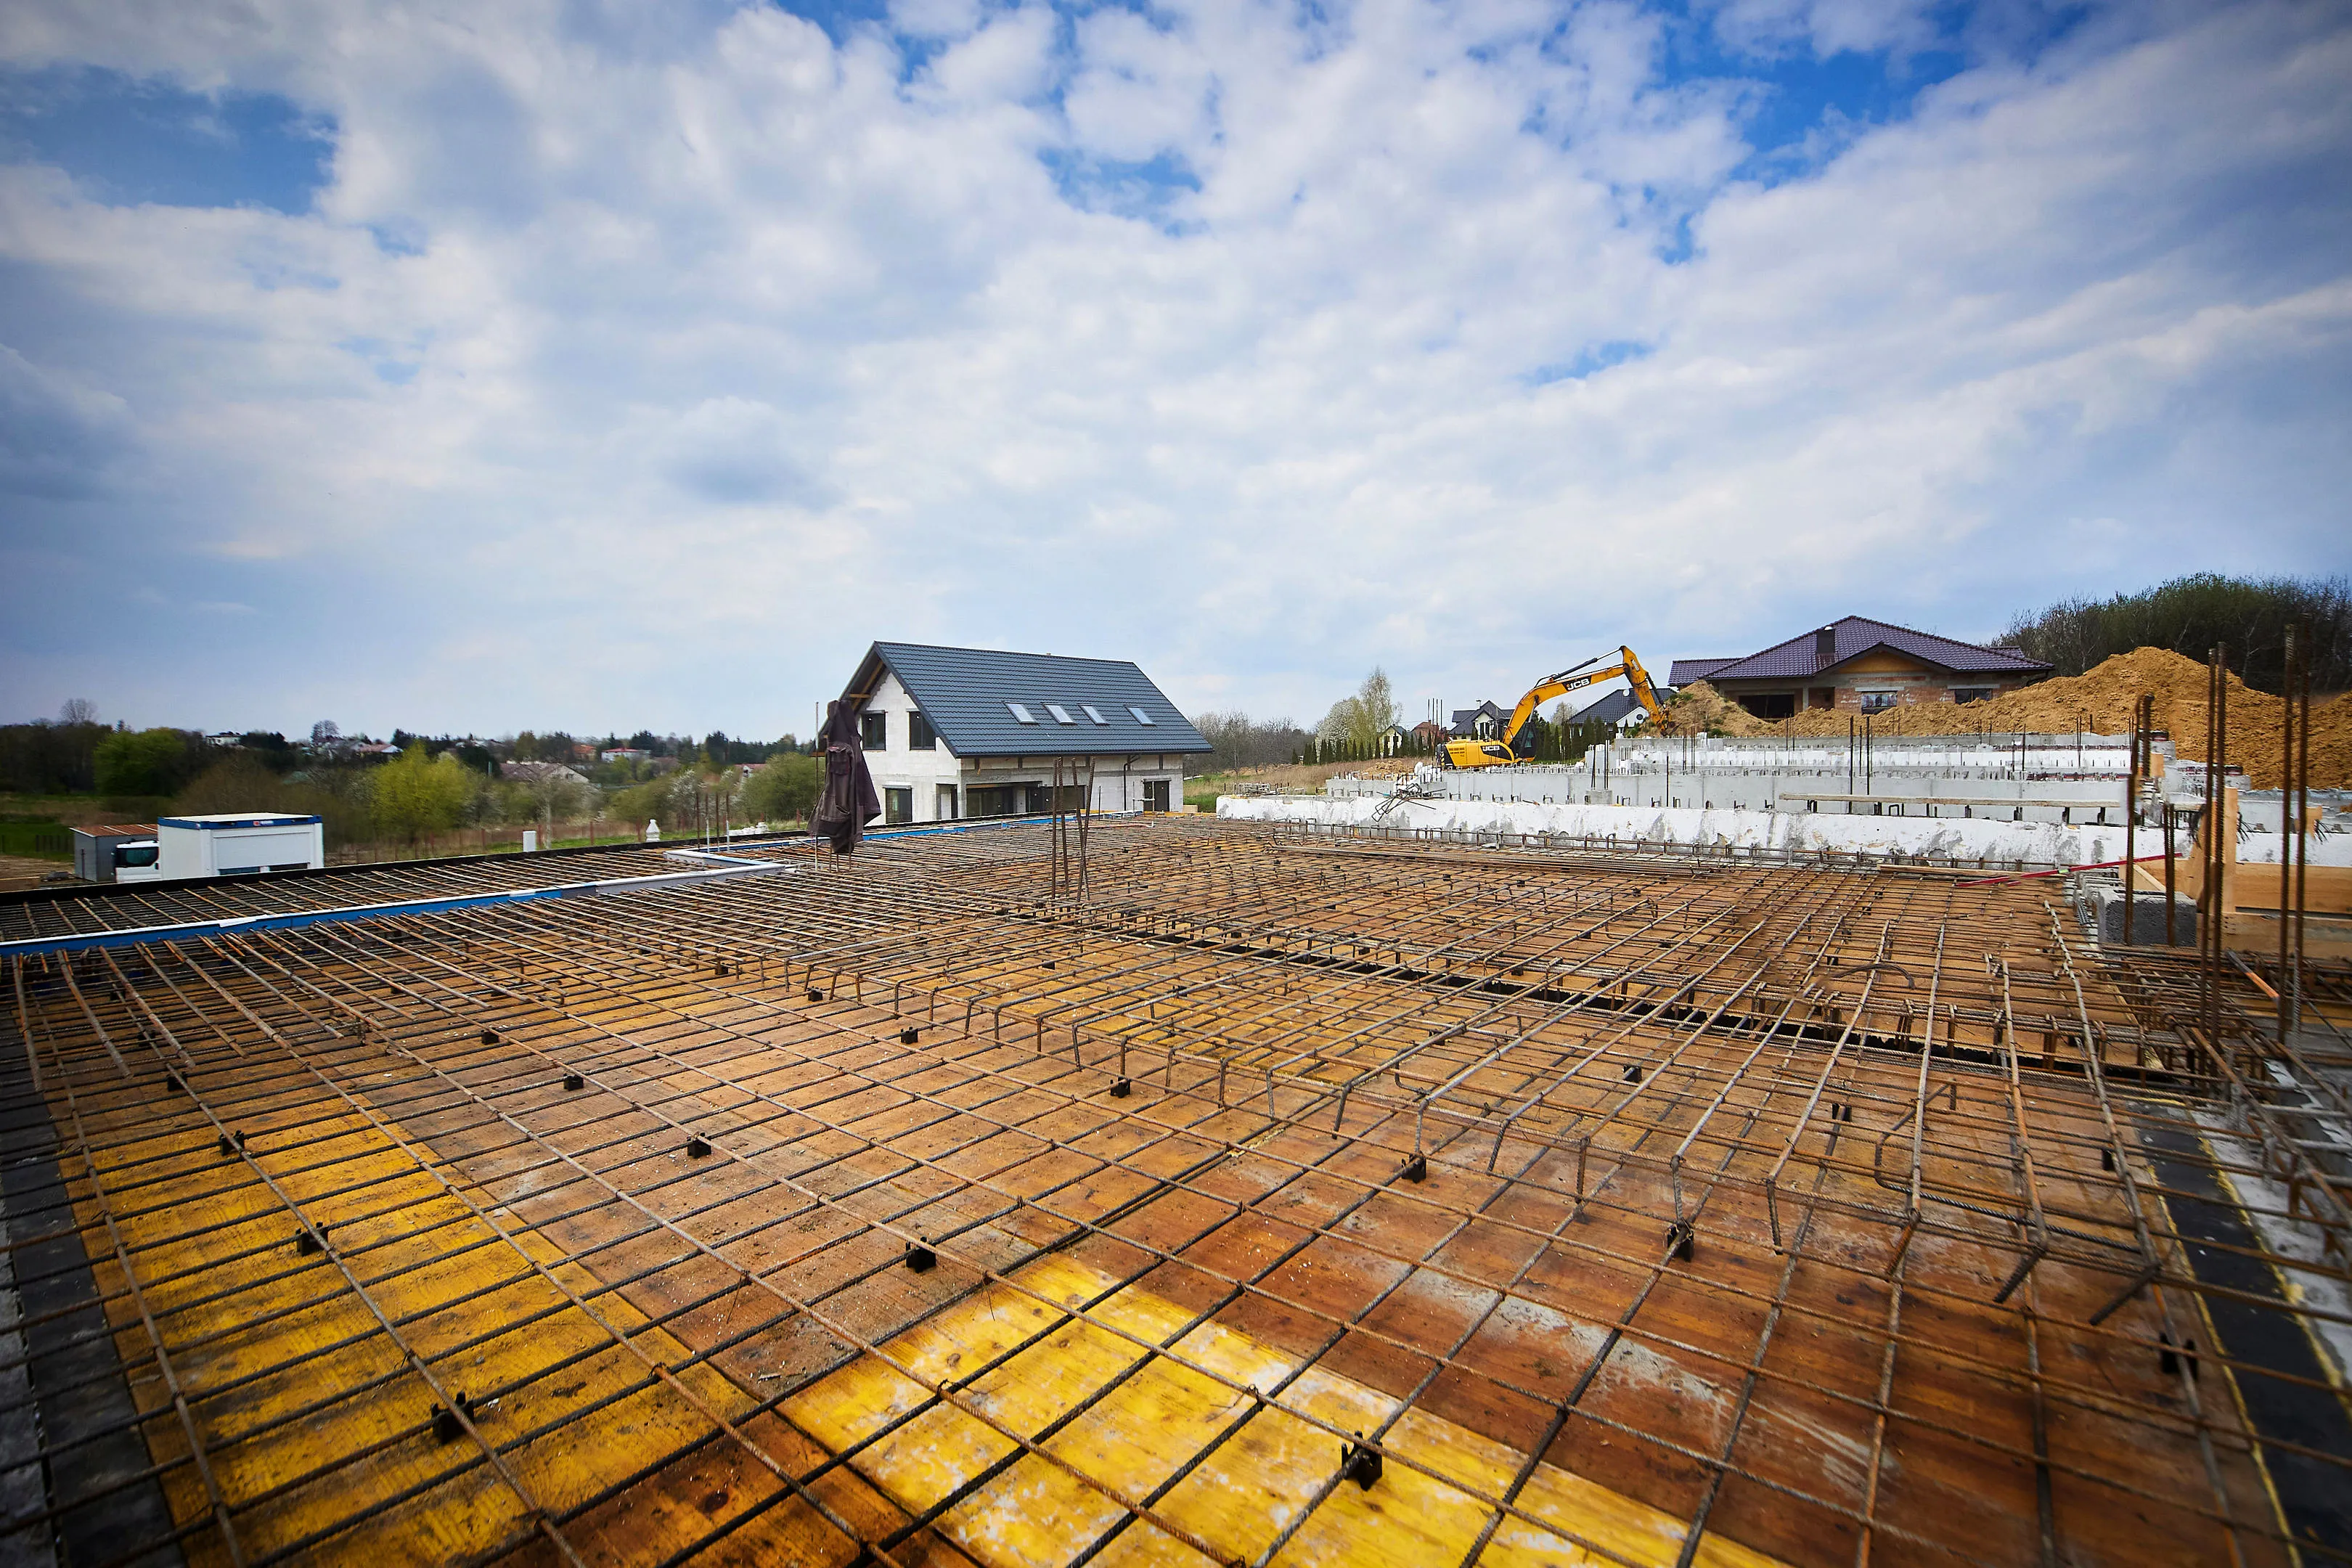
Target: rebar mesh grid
<point>1291,1198</point>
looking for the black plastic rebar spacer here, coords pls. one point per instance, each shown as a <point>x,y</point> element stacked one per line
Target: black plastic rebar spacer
<point>1684,1240</point>
<point>573,1080</point>
<point>2170,1356</point>
<point>2106,1159</point>
<point>1360,1462</point>
<point>172,1082</point>
<point>226,1146</point>
<point>489,1036</point>
<point>718,971</point>
<point>1417,1168</point>
<point>445,1426</point>
<point>697,1149</point>
<point>909,1035</point>
<point>1632,1072</point>
<point>815,994</point>
<point>920,1257</point>
<point>308,1242</point>
<point>1049,963</point>
<point>1121,1089</point>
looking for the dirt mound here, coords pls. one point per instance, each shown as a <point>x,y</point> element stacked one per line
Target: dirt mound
<point>2101,700</point>
<point>1699,709</point>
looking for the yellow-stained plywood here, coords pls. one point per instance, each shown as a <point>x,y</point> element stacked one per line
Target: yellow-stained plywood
<point>1243,1495</point>
<point>280,1365</point>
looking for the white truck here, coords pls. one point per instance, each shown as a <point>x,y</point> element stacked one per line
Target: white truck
<point>235,844</point>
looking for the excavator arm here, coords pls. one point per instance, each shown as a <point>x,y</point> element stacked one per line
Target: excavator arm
<point>1571,679</point>
<point>1490,753</point>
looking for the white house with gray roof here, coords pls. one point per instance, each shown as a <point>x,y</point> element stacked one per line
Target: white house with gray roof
<point>955,733</point>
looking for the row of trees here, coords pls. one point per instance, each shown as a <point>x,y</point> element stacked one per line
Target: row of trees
<point>1541,740</point>
<point>1241,742</point>
<point>419,795</point>
<point>2191,615</point>
<point>75,754</point>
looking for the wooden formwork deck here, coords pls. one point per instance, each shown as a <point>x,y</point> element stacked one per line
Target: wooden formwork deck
<point>1282,1200</point>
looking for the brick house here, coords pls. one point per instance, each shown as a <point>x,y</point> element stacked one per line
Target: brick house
<point>1863,666</point>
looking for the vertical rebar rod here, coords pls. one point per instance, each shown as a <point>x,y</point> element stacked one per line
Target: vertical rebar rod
<point>2131,822</point>
<point>2290,829</point>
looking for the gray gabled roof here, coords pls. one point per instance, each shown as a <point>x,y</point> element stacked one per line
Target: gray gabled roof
<point>1606,709</point>
<point>964,692</point>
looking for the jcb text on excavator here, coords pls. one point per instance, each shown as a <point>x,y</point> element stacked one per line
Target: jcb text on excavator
<point>1499,752</point>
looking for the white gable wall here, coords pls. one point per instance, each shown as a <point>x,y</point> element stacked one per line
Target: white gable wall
<point>899,765</point>
<point>1120,781</point>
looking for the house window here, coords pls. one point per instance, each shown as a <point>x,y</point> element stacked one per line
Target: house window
<point>994,800</point>
<point>898,803</point>
<point>1061,714</point>
<point>1155,795</point>
<point>1021,714</point>
<point>873,731</point>
<point>920,736</point>
<point>1877,701</point>
<point>1141,716</point>
<point>1972,693</point>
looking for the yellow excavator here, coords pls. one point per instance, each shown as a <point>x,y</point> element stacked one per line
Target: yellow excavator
<point>1498,753</point>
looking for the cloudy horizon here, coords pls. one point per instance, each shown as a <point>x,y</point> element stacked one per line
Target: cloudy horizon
<point>606,367</point>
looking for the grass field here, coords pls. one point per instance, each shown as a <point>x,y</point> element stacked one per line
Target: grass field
<point>1204,790</point>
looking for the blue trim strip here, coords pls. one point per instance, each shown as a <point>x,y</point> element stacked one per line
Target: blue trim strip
<point>294,919</point>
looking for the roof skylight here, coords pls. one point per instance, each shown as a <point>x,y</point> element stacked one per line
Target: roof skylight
<point>1061,714</point>
<point>1093,713</point>
<point>1021,713</point>
<point>1141,716</point>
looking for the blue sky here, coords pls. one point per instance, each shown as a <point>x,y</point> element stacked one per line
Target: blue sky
<point>603,365</point>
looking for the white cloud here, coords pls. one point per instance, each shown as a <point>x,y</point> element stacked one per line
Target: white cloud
<point>709,351</point>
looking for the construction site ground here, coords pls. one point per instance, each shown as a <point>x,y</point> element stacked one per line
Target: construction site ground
<point>1240,1195</point>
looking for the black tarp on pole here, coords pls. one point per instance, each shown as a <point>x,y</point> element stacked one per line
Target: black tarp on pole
<point>848,803</point>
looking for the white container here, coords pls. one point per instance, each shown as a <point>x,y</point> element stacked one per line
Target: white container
<point>229,844</point>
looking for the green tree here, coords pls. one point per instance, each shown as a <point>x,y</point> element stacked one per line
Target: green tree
<point>2189,615</point>
<point>1360,720</point>
<point>786,790</point>
<point>148,762</point>
<point>415,795</point>
<point>238,782</point>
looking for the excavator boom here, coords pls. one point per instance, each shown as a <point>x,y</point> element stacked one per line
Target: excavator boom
<point>1493,753</point>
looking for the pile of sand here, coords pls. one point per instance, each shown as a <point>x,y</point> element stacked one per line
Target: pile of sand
<point>2101,700</point>
<point>1699,709</point>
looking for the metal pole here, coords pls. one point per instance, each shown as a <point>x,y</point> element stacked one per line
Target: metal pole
<point>2131,822</point>
<point>2302,809</point>
<point>2171,936</point>
<point>2289,829</point>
